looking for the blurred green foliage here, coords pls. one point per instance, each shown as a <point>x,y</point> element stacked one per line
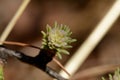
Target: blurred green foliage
<point>116,75</point>
<point>1,73</point>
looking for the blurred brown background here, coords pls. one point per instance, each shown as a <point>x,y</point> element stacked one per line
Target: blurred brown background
<point>81,15</point>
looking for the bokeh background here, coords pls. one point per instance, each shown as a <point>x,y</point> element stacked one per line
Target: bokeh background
<point>82,16</point>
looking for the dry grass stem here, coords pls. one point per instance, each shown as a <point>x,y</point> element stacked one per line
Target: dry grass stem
<point>91,42</point>
<point>14,20</point>
<point>10,26</point>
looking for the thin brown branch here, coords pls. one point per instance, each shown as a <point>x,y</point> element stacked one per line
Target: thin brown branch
<point>19,44</point>
<point>57,62</point>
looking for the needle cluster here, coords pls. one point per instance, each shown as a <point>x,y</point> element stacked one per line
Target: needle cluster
<point>57,38</point>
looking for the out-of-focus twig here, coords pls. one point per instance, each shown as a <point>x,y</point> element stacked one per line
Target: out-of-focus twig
<point>91,42</point>
<point>14,20</point>
<point>95,71</point>
<point>10,26</point>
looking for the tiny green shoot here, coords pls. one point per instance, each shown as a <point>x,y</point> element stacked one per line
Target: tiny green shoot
<point>57,38</point>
